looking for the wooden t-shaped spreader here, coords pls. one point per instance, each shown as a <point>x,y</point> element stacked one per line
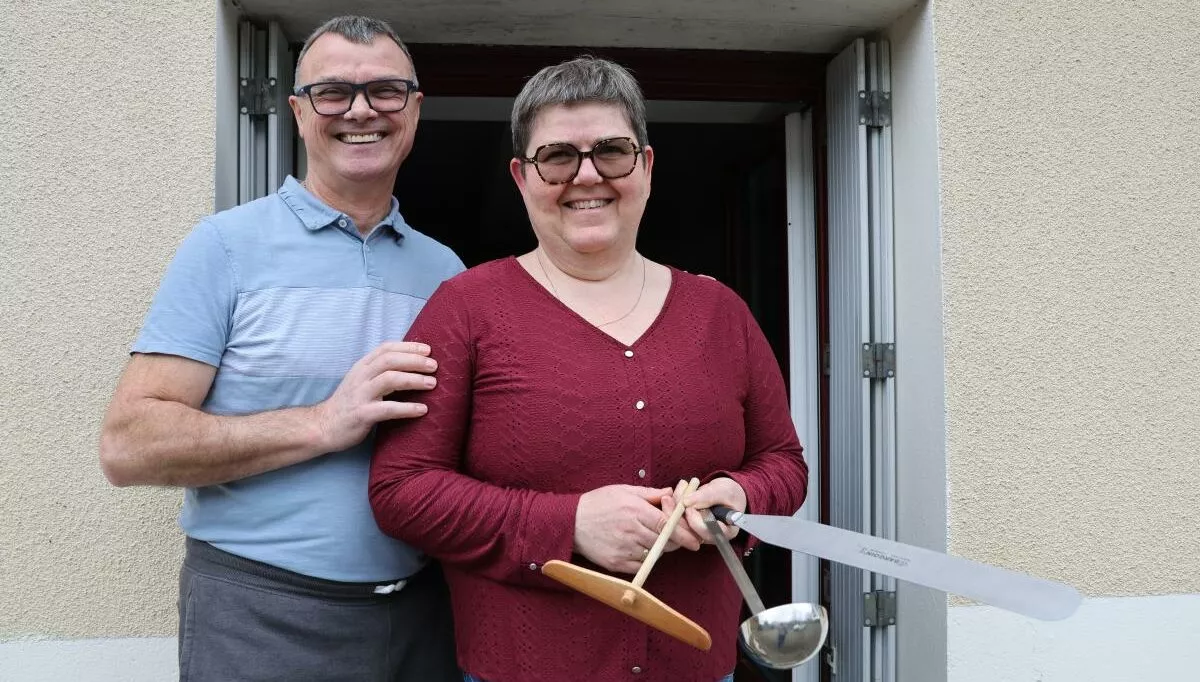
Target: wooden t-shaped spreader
<point>629,597</point>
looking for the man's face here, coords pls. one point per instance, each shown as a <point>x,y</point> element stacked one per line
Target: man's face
<point>362,144</point>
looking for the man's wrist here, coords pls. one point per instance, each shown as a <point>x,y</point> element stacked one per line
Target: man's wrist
<point>316,438</point>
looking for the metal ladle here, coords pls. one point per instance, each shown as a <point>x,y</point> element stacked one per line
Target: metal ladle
<point>780,637</point>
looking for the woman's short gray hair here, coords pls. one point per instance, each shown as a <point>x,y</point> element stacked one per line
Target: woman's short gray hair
<point>357,29</point>
<point>584,79</point>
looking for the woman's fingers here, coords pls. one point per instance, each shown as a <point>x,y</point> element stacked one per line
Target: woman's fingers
<point>683,535</point>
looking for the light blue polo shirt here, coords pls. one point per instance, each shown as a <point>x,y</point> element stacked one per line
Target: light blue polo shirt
<point>282,295</point>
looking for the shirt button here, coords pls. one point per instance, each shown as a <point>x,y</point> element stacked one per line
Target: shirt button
<point>342,222</point>
<point>640,404</point>
<point>533,567</point>
<point>629,354</point>
<point>637,670</point>
<point>641,473</point>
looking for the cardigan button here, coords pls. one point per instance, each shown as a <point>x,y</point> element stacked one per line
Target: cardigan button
<point>533,567</point>
<point>637,670</point>
<point>641,473</point>
<point>629,354</point>
<point>640,404</point>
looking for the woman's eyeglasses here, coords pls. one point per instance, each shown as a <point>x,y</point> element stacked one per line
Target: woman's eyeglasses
<point>558,163</point>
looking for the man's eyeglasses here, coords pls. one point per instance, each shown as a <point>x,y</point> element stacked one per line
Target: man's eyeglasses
<point>558,163</point>
<point>334,98</point>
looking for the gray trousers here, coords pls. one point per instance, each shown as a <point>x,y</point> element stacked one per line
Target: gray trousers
<point>244,621</point>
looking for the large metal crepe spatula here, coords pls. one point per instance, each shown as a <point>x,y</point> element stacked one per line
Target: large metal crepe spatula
<point>629,597</point>
<point>1017,592</point>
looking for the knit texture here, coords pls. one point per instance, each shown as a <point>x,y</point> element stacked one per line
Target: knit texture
<point>535,406</point>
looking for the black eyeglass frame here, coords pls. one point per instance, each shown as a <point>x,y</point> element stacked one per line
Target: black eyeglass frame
<point>355,88</point>
<point>581,155</point>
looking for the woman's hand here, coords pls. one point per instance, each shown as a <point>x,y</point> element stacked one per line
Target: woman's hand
<point>724,491</point>
<point>683,536</point>
<point>615,526</point>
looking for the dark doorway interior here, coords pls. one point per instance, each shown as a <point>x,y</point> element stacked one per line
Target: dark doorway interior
<point>717,207</point>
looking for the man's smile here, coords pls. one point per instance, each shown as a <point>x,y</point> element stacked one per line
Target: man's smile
<point>359,138</point>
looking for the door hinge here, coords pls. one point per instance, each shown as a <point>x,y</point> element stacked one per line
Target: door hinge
<point>826,368</point>
<point>831,659</point>
<point>878,360</point>
<point>875,108</point>
<point>879,609</point>
<point>258,96</point>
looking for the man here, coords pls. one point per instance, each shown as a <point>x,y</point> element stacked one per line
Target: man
<point>257,381</point>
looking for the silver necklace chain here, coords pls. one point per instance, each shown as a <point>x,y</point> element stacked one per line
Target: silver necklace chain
<point>554,289</point>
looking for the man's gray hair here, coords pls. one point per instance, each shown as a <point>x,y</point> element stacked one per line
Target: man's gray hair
<point>356,29</point>
<point>583,79</point>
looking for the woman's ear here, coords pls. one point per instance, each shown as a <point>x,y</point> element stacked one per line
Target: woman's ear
<point>516,168</point>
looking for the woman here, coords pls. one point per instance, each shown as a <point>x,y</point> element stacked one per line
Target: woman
<point>576,384</point>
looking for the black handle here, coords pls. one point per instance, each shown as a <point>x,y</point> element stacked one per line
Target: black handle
<point>721,512</point>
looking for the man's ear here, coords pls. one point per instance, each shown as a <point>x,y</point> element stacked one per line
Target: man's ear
<point>297,113</point>
<point>414,103</point>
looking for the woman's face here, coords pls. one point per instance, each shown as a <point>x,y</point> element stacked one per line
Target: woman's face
<point>589,214</point>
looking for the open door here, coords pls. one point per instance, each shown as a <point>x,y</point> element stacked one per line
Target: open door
<point>861,356</point>
<point>804,366</point>
<point>266,129</point>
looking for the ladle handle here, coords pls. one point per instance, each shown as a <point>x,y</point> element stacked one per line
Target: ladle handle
<point>735,565</point>
<point>725,514</point>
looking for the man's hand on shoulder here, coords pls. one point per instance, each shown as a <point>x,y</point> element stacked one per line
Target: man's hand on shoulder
<point>359,402</point>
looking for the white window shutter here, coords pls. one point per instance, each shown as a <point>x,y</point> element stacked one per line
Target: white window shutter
<point>265,126</point>
<point>862,394</point>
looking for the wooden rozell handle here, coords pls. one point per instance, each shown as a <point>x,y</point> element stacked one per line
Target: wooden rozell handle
<point>661,542</point>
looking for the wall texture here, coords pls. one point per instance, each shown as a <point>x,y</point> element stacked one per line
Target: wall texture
<point>106,160</point>
<point>1068,138</point>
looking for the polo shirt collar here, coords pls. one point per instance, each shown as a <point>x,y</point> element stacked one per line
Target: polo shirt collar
<point>315,215</point>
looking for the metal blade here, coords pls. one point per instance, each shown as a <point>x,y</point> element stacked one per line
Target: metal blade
<point>1018,592</point>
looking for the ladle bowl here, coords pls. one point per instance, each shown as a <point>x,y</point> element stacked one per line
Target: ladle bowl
<point>780,637</point>
<point>785,636</point>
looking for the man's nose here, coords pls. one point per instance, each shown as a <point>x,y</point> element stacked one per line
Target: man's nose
<point>360,108</point>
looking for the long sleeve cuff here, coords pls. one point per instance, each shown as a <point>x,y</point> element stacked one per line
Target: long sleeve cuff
<point>549,531</point>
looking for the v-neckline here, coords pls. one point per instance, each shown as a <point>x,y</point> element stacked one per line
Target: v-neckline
<point>583,321</point>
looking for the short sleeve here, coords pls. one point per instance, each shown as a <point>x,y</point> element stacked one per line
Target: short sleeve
<point>455,266</point>
<point>192,311</point>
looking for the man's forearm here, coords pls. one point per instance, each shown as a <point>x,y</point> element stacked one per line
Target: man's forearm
<point>162,442</point>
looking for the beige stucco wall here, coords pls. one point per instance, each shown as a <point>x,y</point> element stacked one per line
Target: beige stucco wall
<point>1071,252</point>
<point>106,160</point>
